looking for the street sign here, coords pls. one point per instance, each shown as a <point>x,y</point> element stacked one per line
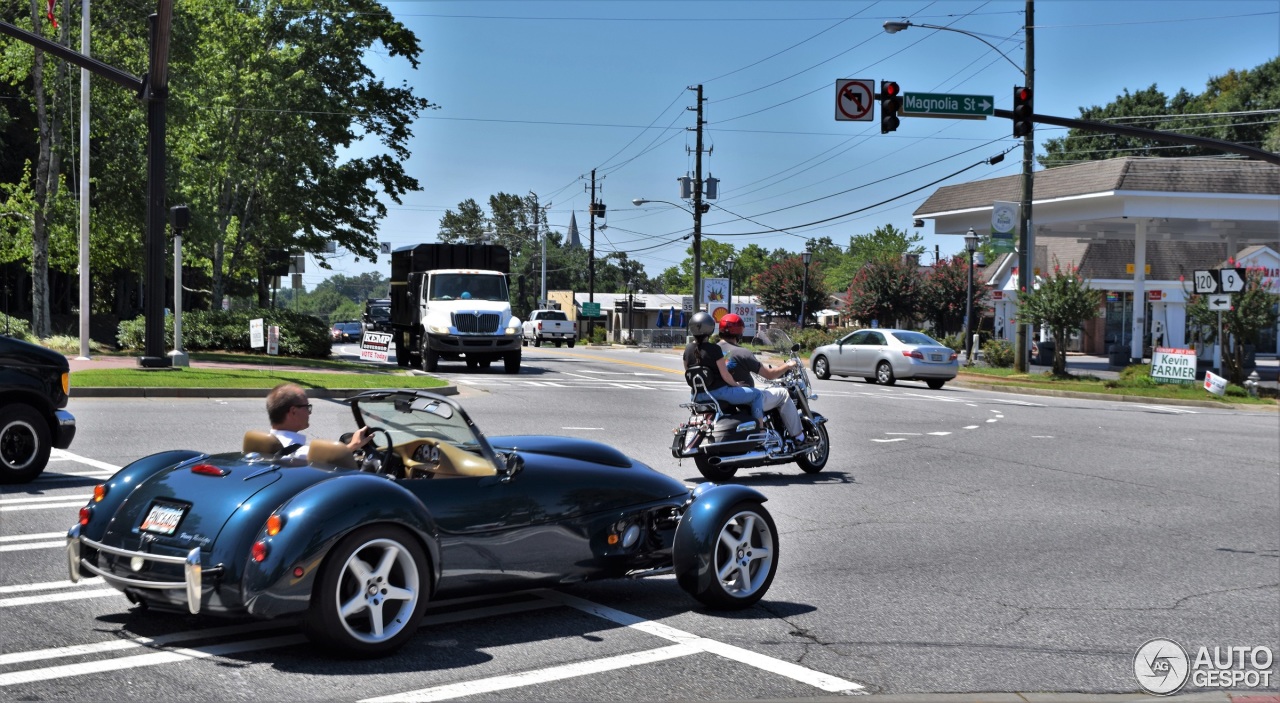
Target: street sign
<point>1206,282</point>
<point>854,99</point>
<point>1231,280</point>
<point>1220,302</point>
<point>973,107</point>
<point>591,309</point>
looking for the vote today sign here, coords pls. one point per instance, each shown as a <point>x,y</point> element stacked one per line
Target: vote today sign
<point>1173,365</point>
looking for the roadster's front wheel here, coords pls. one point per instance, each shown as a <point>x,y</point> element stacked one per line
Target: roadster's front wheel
<point>738,567</point>
<point>371,594</point>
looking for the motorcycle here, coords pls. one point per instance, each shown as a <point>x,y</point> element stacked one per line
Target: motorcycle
<point>722,438</point>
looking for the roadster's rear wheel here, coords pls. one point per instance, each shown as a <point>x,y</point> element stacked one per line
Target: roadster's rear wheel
<point>742,560</point>
<point>371,594</point>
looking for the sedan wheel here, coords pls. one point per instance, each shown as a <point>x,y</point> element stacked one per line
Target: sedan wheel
<point>884,374</point>
<point>371,594</point>
<point>741,561</point>
<point>821,368</point>
<point>935,383</point>
<point>24,443</point>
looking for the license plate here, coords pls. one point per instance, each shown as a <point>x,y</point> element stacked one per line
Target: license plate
<point>935,357</point>
<point>163,519</point>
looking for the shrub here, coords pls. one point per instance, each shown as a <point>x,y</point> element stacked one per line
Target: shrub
<point>15,327</point>
<point>998,353</point>
<point>599,335</point>
<point>1137,376</point>
<point>228,330</point>
<point>954,342</point>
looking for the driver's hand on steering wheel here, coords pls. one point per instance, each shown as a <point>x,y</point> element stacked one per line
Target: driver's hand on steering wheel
<point>359,439</point>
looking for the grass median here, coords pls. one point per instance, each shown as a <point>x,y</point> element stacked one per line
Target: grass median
<point>1133,381</point>
<point>227,370</point>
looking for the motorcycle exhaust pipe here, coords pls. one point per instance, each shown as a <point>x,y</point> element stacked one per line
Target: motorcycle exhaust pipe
<point>740,459</point>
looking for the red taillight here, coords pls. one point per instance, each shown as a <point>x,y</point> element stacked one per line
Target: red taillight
<point>954,356</point>
<point>274,524</point>
<point>298,572</point>
<point>85,513</point>
<point>259,551</point>
<point>209,470</point>
<point>539,325</point>
<point>99,492</point>
<point>914,354</point>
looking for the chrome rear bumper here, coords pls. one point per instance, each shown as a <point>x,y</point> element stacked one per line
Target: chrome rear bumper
<point>193,572</point>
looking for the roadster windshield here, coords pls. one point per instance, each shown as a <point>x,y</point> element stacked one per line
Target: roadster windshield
<point>409,416</point>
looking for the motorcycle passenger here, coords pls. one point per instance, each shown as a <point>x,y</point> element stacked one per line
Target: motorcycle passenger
<point>720,384</point>
<point>742,362</point>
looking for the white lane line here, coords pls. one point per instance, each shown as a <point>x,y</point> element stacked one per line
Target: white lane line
<point>140,660</point>
<point>913,434</point>
<point>69,475</point>
<point>939,434</point>
<point>64,454</point>
<point>33,545</point>
<point>76,650</point>
<point>895,439</point>
<point>45,499</point>
<point>57,597</point>
<point>48,585</point>
<point>582,428</point>
<point>972,427</point>
<point>38,535</point>
<point>1041,436</point>
<point>530,678</point>
<point>41,506</point>
<point>993,419</point>
<point>799,673</point>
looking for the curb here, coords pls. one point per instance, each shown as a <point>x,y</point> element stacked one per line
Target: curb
<point>322,393</point>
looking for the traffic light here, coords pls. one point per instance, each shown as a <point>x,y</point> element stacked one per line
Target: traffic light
<point>890,104</point>
<point>1022,111</point>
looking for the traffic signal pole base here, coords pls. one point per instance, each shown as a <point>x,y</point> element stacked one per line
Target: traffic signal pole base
<point>154,362</point>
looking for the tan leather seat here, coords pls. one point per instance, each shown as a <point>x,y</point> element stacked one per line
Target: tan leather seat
<point>263,443</point>
<point>330,453</point>
<point>457,462</point>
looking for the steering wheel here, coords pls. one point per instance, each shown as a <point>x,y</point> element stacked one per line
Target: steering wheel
<point>376,458</point>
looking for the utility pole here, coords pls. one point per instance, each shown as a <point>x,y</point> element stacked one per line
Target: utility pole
<point>537,207</point>
<point>1026,251</point>
<point>591,254</point>
<point>697,209</point>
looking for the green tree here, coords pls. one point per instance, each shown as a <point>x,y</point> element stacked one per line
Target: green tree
<point>886,290</point>
<point>943,292</point>
<point>781,287</point>
<point>1252,310</point>
<point>1062,301</point>
<point>466,226</point>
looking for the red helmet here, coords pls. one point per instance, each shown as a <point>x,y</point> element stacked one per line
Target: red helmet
<point>732,325</point>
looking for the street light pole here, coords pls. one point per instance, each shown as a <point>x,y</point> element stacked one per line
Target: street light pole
<point>728,264</point>
<point>807,256</point>
<point>1026,240</point>
<point>970,245</point>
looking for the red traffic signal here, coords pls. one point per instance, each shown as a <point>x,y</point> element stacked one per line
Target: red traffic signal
<point>890,105</point>
<point>1023,124</point>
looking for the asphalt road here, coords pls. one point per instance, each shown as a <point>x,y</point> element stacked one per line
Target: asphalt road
<point>959,541</point>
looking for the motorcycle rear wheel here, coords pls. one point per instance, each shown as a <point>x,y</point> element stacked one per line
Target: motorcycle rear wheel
<point>712,472</point>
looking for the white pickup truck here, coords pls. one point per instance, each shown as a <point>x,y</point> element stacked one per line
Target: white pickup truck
<point>549,326</point>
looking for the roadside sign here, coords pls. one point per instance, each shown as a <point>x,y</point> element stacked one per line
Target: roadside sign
<point>1173,365</point>
<point>1220,302</point>
<point>1214,383</point>
<point>686,304</point>
<point>972,107</point>
<point>374,346</point>
<point>1231,280</point>
<point>273,340</point>
<point>255,333</point>
<point>591,309</point>
<point>854,99</point>
<point>1206,282</point>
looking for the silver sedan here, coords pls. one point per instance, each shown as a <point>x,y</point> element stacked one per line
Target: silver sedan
<point>887,356</point>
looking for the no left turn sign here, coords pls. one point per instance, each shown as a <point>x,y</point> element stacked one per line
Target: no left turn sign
<point>854,99</point>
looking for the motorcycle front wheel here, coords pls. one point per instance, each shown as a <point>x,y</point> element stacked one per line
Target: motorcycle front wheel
<point>816,459</point>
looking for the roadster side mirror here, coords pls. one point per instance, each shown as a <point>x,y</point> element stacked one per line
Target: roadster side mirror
<point>512,464</point>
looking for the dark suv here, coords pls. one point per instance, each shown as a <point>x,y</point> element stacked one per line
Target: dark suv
<point>34,382</point>
<point>377,315</point>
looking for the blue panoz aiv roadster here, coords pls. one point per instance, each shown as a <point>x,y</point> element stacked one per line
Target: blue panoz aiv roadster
<point>356,544</point>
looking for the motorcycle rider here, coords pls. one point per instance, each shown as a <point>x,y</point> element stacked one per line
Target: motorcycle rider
<point>721,385</point>
<point>742,362</point>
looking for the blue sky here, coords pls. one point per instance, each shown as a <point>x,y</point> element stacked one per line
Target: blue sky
<point>534,95</point>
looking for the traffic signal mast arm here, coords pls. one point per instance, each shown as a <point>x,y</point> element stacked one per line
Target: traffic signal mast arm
<point>1156,135</point>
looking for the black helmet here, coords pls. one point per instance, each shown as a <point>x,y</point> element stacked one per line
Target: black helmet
<point>702,324</point>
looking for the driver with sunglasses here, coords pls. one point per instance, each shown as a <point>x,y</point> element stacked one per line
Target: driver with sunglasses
<point>289,411</point>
